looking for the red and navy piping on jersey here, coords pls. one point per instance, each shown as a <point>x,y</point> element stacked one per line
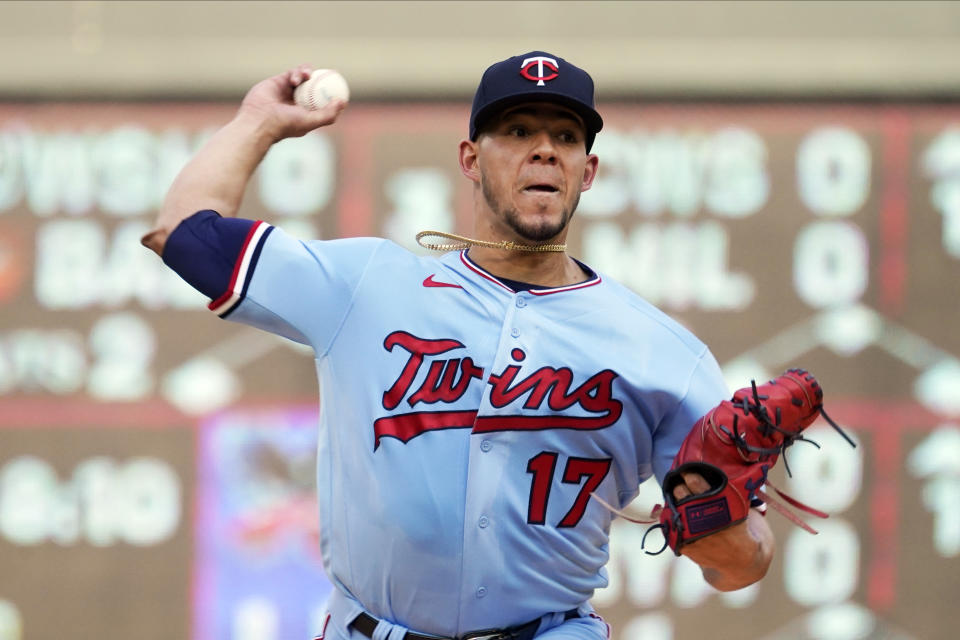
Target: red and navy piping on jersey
<point>217,256</point>
<point>592,279</point>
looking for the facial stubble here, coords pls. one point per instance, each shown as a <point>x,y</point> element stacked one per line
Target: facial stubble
<point>531,233</point>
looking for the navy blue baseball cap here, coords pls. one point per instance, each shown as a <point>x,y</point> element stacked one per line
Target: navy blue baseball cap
<point>535,76</point>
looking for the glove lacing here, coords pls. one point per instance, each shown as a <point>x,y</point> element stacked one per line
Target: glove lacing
<point>767,427</point>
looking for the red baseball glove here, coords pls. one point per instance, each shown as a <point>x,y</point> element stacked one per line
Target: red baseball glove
<point>733,448</point>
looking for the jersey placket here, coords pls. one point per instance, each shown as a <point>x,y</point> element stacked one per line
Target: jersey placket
<point>485,563</point>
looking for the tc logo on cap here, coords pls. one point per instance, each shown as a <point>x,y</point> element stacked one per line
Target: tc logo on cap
<point>539,75</point>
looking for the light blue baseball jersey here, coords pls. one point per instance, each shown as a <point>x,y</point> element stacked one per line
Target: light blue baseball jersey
<point>464,425</point>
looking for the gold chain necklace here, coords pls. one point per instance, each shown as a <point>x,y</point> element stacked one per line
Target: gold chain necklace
<point>463,242</point>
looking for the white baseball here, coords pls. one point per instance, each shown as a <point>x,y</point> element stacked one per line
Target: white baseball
<point>320,88</point>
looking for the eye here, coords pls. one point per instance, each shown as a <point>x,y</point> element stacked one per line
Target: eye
<point>518,130</point>
<point>569,137</point>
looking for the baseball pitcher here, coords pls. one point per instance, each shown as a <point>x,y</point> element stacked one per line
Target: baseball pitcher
<point>485,411</point>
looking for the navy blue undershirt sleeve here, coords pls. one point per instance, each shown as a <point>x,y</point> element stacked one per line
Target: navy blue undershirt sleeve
<point>204,249</point>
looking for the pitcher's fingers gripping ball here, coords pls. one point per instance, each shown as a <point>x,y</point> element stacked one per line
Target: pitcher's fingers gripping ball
<point>731,449</point>
<point>320,89</point>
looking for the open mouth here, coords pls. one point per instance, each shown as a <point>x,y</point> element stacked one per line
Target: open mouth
<point>541,188</point>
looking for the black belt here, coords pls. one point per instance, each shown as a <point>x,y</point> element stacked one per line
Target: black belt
<point>365,624</point>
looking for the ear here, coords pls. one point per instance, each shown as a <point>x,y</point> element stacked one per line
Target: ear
<point>469,164</point>
<point>589,172</point>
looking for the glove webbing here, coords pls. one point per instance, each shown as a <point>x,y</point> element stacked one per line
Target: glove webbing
<point>768,426</point>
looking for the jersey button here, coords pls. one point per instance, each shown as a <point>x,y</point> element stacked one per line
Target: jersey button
<point>482,591</point>
<point>521,303</point>
<point>515,332</point>
<point>486,445</point>
<point>483,522</point>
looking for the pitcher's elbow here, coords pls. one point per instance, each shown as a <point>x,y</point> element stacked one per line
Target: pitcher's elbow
<point>156,240</point>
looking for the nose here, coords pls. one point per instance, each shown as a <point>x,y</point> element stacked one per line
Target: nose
<point>543,149</point>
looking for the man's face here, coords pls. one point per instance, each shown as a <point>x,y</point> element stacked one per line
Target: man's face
<point>533,165</point>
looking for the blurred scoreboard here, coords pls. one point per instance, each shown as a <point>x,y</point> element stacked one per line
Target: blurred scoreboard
<point>156,463</point>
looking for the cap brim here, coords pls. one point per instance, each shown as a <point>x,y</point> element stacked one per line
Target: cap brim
<point>591,119</point>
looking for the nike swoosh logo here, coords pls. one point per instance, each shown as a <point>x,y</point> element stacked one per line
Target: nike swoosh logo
<point>430,282</point>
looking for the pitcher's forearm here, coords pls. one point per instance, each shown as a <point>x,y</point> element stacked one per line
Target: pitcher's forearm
<point>216,177</point>
<point>218,174</point>
<point>736,557</point>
